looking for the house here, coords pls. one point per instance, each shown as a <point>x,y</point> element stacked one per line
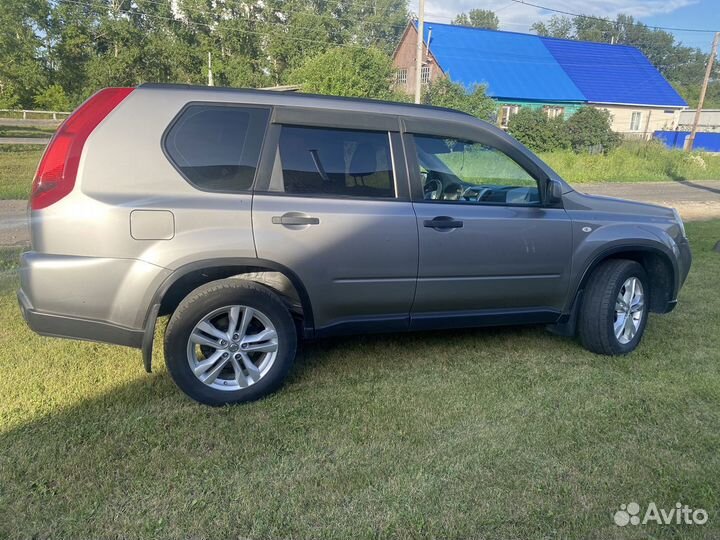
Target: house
<point>709,120</point>
<point>558,75</point>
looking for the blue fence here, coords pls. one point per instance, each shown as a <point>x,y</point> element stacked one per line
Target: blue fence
<point>710,142</point>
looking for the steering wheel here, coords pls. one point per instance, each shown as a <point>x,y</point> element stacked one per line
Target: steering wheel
<point>433,187</point>
<point>481,192</point>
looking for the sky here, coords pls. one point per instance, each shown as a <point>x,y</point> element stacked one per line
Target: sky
<point>514,16</point>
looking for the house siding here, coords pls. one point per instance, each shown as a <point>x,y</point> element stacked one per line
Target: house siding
<point>651,119</point>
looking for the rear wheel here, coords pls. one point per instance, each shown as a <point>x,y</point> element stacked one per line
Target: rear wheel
<point>614,308</point>
<point>230,341</point>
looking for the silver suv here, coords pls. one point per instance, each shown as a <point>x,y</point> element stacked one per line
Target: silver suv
<point>255,219</point>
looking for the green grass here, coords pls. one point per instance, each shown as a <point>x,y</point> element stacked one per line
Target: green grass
<point>634,162</point>
<point>495,433</point>
<point>17,167</point>
<point>26,131</point>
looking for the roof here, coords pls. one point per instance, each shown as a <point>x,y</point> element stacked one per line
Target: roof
<point>529,67</point>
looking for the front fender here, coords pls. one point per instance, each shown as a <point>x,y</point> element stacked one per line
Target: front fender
<point>593,246</point>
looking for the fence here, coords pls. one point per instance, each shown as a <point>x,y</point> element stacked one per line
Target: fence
<point>710,142</point>
<point>22,113</point>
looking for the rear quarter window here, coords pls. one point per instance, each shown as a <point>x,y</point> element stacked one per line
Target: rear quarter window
<point>217,147</point>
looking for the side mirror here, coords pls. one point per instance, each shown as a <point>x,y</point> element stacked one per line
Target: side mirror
<point>554,192</point>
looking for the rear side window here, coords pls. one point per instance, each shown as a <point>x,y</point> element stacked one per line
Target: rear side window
<point>333,162</point>
<point>217,147</point>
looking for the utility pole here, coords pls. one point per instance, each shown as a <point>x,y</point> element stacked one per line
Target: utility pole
<point>690,140</point>
<point>420,51</point>
<point>210,76</point>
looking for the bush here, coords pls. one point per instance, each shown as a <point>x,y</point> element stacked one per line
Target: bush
<point>445,93</point>
<point>53,98</point>
<point>534,129</point>
<point>345,71</point>
<point>589,129</point>
<point>634,161</point>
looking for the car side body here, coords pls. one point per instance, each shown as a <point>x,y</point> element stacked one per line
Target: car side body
<point>135,236</point>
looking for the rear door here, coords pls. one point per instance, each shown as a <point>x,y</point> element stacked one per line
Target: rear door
<point>332,206</point>
<point>491,250</point>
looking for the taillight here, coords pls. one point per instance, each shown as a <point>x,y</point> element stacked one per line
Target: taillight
<point>58,167</point>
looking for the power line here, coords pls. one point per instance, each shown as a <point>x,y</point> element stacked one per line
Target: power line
<point>594,17</point>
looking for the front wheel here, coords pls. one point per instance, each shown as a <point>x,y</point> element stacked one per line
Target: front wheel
<point>230,341</point>
<point>614,309</point>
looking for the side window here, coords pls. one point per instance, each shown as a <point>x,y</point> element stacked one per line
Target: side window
<point>453,170</point>
<point>334,162</point>
<point>217,147</point>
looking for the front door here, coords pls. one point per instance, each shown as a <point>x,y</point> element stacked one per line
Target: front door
<point>335,213</point>
<point>490,250</point>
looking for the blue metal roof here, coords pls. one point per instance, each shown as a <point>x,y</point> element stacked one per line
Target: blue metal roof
<point>532,68</point>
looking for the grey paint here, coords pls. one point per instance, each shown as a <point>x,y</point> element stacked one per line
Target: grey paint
<point>365,264</point>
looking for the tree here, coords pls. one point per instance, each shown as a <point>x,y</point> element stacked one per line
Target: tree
<point>557,27</point>
<point>537,131</point>
<point>590,127</point>
<point>22,66</point>
<point>445,93</point>
<point>346,71</point>
<point>478,18</point>
<point>52,98</point>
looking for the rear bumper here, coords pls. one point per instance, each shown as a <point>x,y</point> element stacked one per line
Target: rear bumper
<point>64,326</point>
<point>88,298</point>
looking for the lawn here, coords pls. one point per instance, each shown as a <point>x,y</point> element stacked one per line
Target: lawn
<point>26,131</point>
<point>17,168</point>
<point>494,433</point>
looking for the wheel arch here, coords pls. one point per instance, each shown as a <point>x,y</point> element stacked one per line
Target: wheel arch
<point>660,267</point>
<point>188,277</point>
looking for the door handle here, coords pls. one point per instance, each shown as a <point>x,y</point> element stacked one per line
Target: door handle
<point>443,222</point>
<point>291,219</point>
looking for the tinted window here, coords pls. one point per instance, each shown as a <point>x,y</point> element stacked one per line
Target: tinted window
<point>346,163</point>
<point>217,148</point>
<point>464,171</point>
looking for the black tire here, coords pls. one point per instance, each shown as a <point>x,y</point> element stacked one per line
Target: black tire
<point>597,313</point>
<point>204,300</point>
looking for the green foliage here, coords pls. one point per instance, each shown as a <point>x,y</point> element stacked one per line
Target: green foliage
<point>346,71</point>
<point>589,128</point>
<point>557,26</point>
<point>52,98</point>
<point>634,161</point>
<point>445,93</point>
<point>691,94</point>
<point>8,97</point>
<point>534,129</point>
<point>479,18</point>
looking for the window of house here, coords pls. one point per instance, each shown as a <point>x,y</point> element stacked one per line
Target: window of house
<point>635,121</point>
<point>217,147</point>
<point>554,112</point>
<point>333,162</point>
<point>506,112</point>
<point>467,172</point>
<point>401,77</point>
<point>425,74</point>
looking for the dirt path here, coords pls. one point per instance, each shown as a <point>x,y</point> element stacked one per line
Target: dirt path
<point>13,223</point>
<point>694,201</point>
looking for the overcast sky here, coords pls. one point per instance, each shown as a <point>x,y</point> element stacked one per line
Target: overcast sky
<point>518,17</point>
